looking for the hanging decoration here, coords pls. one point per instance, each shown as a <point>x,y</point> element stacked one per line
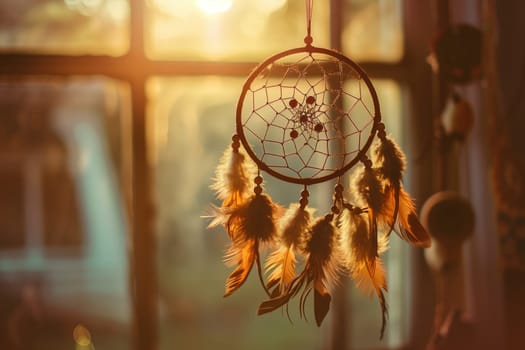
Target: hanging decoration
<point>455,58</point>
<point>306,116</point>
<point>455,54</point>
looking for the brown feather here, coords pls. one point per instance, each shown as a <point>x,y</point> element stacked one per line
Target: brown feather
<point>233,177</point>
<point>388,158</point>
<point>373,283</point>
<point>243,256</point>
<point>294,225</point>
<point>369,191</point>
<point>250,225</point>
<point>408,226</point>
<point>322,266</point>
<point>273,304</point>
<point>320,272</point>
<point>321,302</point>
<point>362,255</point>
<point>390,163</point>
<point>293,228</point>
<point>281,263</point>
<point>253,219</point>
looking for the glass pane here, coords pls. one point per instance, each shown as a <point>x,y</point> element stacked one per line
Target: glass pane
<point>191,123</point>
<point>73,27</point>
<point>230,30</point>
<point>373,30</point>
<point>66,280</point>
<point>11,204</point>
<point>365,311</point>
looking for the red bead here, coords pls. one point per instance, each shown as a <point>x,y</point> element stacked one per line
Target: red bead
<point>318,127</point>
<point>310,100</point>
<point>257,190</point>
<point>308,40</point>
<point>303,118</point>
<point>305,193</point>
<point>338,188</point>
<point>258,180</point>
<point>294,134</point>
<point>293,103</point>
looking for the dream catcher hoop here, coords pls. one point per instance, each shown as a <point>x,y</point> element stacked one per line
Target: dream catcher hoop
<point>296,116</point>
<point>306,116</point>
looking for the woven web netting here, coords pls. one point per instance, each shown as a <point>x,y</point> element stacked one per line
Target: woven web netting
<point>307,115</point>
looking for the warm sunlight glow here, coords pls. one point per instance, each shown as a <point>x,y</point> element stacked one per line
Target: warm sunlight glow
<point>269,6</point>
<point>82,337</point>
<point>85,7</point>
<point>214,6</point>
<point>175,8</point>
<point>232,30</point>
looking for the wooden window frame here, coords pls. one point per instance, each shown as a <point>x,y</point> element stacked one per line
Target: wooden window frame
<point>135,68</point>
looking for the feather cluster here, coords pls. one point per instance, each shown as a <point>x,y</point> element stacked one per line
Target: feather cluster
<point>362,255</point>
<point>349,240</point>
<point>320,273</point>
<point>250,224</point>
<point>281,263</point>
<point>248,217</point>
<point>233,177</point>
<point>399,211</point>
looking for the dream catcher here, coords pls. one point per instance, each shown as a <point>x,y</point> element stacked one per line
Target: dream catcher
<point>306,116</point>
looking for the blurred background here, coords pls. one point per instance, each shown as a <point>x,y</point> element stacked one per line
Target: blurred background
<point>113,115</point>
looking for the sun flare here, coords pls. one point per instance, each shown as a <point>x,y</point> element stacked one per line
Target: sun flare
<point>214,6</point>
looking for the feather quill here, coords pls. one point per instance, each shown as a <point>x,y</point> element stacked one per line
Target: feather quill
<point>320,272</point>
<point>369,192</point>
<point>233,175</point>
<point>243,256</point>
<point>408,226</point>
<point>390,164</point>
<point>362,256</point>
<point>281,263</point>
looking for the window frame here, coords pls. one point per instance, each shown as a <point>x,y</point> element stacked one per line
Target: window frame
<point>134,68</point>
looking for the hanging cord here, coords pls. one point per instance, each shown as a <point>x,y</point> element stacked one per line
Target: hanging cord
<point>309,8</point>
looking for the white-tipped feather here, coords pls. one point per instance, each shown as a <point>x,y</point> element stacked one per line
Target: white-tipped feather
<point>398,211</point>
<point>367,189</point>
<point>294,224</point>
<point>321,271</point>
<point>388,158</point>
<point>362,255</point>
<point>365,282</point>
<point>233,177</point>
<point>373,283</point>
<point>250,225</point>
<point>408,226</point>
<point>281,263</point>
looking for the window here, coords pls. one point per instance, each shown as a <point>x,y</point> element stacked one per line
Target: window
<point>63,231</point>
<point>151,107</point>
